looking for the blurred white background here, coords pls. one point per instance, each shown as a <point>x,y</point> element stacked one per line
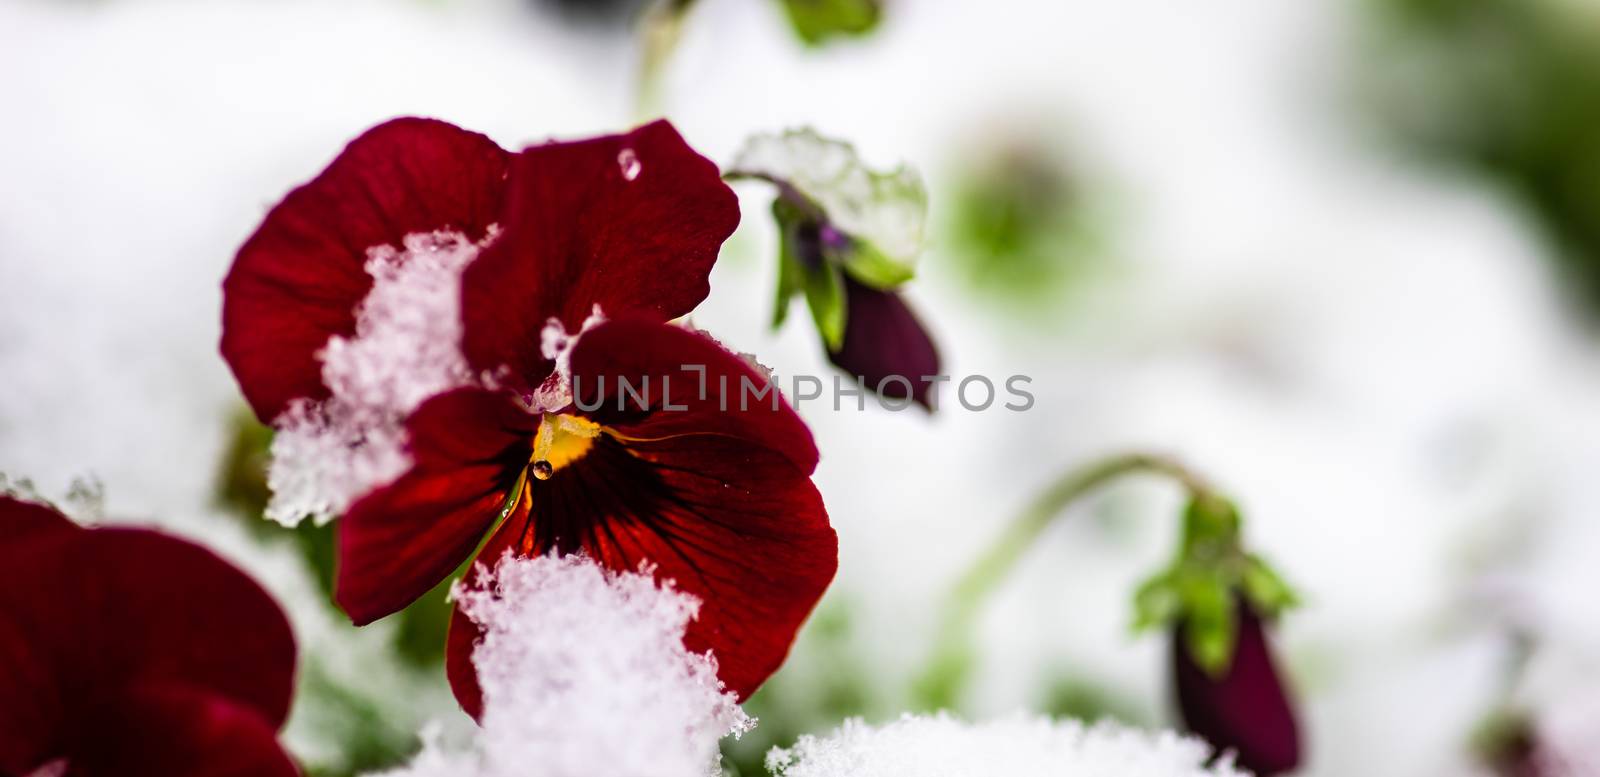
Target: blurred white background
<point>1375,361</point>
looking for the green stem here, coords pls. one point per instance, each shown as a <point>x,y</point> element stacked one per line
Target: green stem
<point>660,27</point>
<point>941,679</point>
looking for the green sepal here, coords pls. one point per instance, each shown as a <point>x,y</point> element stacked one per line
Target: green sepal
<point>825,294</point>
<point>815,21</point>
<point>821,280</point>
<point>870,266</point>
<point>1211,529</point>
<point>1266,589</point>
<point>1210,620</point>
<point>1157,602</point>
<point>791,274</point>
<point>1201,588</point>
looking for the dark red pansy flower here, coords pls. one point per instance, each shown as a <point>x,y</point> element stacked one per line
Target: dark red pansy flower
<point>1244,708</point>
<point>127,652</point>
<point>584,251</point>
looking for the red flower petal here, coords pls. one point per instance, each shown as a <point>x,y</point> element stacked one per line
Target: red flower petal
<point>460,641</point>
<point>298,279</point>
<point>166,731</point>
<point>639,350</point>
<point>732,523</point>
<point>92,613</point>
<point>720,502</point>
<point>579,232</point>
<point>468,446</point>
<point>22,521</point>
<point>1246,709</point>
<point>884,339</point>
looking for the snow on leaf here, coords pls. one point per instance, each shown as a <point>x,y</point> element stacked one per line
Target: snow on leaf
<point>886,211</point>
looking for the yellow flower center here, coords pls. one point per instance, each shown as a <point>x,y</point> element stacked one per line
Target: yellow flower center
<point>561,440</point>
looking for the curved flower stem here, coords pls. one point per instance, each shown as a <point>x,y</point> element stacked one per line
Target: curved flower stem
<point>941,680</point>
<point>660,27</point>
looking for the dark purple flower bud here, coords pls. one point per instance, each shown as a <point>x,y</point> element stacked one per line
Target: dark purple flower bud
<point>1244,709</point>
<point>885,344</point>
<point>1518,755</point>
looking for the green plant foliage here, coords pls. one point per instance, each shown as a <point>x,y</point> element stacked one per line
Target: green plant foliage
<point>1020,228</point>
<point>1204,585</point>
<point>819,21</point>
<point>1509,89</point>
<point>367,740</point>
<point>1080,698</point>
<point>813,275</point>
<point>824,682</point>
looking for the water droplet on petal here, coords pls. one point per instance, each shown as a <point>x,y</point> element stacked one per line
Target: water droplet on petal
<point>630,164</point>
<point>542,469</point>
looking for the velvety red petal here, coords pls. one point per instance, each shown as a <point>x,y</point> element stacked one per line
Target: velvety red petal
<point>884,339</point>
<point>30,704</point>
<point>175,731</point>
<point>733,523</point>
<point>468,447</point>
<point>85,617</point>
<point>1246,710</point>
<point>21,521</point>
<point>579,231</point>
<point>458,668</point>
<point>664,364</point>
<point>298,279</point>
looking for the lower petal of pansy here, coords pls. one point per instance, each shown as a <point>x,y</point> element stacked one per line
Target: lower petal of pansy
<point>885,345</point>
<point>468,447</point>
<point>733,523</point>
<point>646,380</point>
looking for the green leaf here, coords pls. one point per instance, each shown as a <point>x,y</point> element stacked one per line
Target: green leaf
<point>816,21</point>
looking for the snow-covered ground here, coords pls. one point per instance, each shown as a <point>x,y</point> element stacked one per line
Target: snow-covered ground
<point>1374,363</point>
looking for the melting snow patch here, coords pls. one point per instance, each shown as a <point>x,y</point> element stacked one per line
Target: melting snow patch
<point>556,344</point>
<point>941,746</point>
<point>584,673</point>
<point>888,210</point>
<point>407,348</point>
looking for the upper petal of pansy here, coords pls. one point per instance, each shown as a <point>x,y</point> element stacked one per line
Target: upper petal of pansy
<point>689,384</point>
<point>732,522</point>
<point>95,612</point>
<point>299,278</point>
<point>631,223</point>
<point>398,542</point>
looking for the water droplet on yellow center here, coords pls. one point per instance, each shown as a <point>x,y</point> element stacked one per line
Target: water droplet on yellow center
<point>561,440</point>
